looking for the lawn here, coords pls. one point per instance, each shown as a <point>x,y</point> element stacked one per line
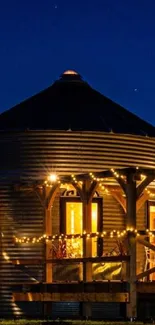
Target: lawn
<point>66,322</point>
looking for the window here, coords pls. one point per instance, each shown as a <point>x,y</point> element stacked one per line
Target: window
<point>150,255</point>
<point>72,224</point>
<point>152,218</point>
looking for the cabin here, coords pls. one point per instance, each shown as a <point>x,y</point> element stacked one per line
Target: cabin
<point>77,207</point>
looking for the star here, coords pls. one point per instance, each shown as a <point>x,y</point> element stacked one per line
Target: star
<point>55,7</point>
<point>135,89</point>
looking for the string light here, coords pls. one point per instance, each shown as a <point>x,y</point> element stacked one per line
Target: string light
<point>117,174</point>
<point>110,234</point>
<point>74,178</point>
<point>149,192</point>
<point>54,179</point>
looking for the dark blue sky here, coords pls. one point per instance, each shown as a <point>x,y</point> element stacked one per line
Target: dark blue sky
<point>111,43</point>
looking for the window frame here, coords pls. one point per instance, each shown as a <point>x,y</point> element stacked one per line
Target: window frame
<point>149,204</point>
<point>65,199</point>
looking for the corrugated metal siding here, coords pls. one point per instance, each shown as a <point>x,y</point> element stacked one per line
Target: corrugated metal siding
<point>107,311</point>
<point>31,309</point>
<point>113,214</point>
<point>75,152</point>
<point>113,218</point>
<point>20,215</point>
<point>92,151</point>
<point>65,310</point>
<point>146,307</point>
<point>141,221</point>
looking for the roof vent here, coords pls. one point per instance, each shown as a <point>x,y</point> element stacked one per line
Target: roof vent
<point>70,75</point>
<point>70,72</point>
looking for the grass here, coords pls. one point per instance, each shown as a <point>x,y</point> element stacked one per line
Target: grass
<point>69,322</point>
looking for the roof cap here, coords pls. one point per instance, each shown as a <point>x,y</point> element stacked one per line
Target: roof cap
<point>70,75</point>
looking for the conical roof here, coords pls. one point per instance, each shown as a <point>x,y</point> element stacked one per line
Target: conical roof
<point>71,104</point>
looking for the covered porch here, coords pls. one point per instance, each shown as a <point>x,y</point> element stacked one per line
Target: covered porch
<point>82,266</point>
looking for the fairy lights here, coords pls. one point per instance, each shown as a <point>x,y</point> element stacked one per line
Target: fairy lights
<point>109,234</point>
<point>74,178</point>
<point>67,181</point>
<point>52,178</point>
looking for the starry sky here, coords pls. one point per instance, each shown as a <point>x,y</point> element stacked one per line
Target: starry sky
<point>111,43</point>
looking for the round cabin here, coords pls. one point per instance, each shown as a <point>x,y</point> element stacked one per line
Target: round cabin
<point>77,212</point>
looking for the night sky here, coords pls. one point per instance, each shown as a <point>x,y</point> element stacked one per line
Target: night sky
<point>111,43</point>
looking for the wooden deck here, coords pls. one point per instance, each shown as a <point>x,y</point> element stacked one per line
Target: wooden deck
<point>106,291</point>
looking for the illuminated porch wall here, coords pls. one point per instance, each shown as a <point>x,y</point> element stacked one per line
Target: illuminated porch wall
<point>28,156</point>
<point>113,218</point>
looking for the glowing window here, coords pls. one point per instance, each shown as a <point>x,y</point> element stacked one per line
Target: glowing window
<point>72,224</point>
<point>152,218</point>
<point>94,227</point>
<point>150,255</point>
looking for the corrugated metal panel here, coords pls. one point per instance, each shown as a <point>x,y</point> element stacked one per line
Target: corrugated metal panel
<point>113,218</point>
<point>65,310</point>
<point>20,215</point>
<point>142,218</point>
<point>31,309</point>
<point>146,309</point>
<point>75,152</point>
<point>113,214</point>
<point>107,311</point>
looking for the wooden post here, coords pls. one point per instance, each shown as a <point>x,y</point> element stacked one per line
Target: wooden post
<point>48,231</point>
<point>48,198</point>
<point>87,244</point>
<point>131,223</point>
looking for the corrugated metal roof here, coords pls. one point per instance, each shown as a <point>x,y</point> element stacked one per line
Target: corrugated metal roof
<point>71,104</point>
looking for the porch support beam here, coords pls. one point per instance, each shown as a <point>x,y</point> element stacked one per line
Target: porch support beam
<point>49,196</point>
<point>131,223</point>
<point>119,197</point>
<point>146,243</point>
<point>141,200</point>
<point>86,193</point>
<point>64,261</point>
<point>145,273</point>
<point>141,187</point>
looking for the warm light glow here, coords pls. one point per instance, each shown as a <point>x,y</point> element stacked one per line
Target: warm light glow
<point>110,233</point>
<point>52,177</point>
<point>74,226</point>
<point>5,255</point>
<point>70,72</point>
<point>94,228</point>
<point>151,255</point>
<point>30,298</point>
